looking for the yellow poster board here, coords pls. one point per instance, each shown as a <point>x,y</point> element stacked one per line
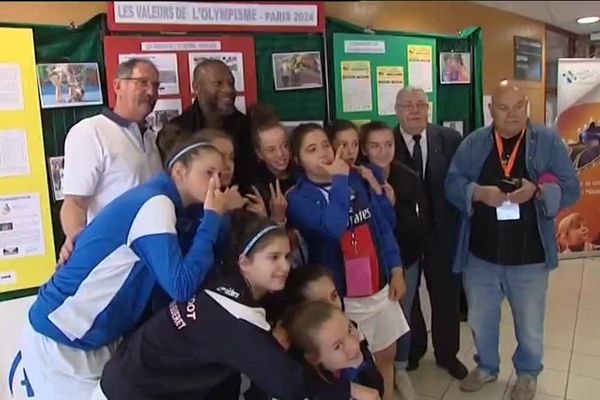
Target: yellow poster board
<point>27,256</point>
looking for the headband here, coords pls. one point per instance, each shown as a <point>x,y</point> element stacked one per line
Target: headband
<point>257,237</point>
<point>185,150</point>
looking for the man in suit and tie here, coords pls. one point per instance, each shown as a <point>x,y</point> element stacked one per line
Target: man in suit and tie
<point>428,149</point>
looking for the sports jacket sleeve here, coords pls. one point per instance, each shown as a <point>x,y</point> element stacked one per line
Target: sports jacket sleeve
<point>273,371</point>
<point>154,239</point>
<point>330,221</point>
<point>384,203</point>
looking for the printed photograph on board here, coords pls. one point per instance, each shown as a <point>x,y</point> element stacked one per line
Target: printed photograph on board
<point>455,68</point>
<point>456,125</point>
<point>164,111</point>
<point>57,171</point>
<point>300,70</point>
<point>69,85</point>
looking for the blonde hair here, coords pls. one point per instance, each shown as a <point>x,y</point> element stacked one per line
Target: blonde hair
<point>571,221</point>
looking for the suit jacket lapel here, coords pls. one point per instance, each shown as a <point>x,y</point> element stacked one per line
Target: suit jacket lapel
<point>434,151</point>
<point>402,153</point>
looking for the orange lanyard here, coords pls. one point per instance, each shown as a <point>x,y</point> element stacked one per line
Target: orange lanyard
<point>507,165</point>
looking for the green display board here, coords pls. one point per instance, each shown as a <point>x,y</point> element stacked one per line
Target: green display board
<point>290,105</point>
<point>388,62</point>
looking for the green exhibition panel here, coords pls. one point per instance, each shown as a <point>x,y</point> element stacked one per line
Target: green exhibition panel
<point>455,102</point>
<point>290,105</point>
<point>369,70</point>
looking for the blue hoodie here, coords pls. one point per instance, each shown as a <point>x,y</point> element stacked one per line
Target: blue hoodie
<point>322,222</point>
<point>100,294</point>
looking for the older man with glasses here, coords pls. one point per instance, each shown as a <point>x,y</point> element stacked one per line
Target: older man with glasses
<point>110,153</point>
<point>428,149</point>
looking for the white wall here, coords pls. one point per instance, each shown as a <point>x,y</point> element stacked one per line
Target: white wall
<point>13,314</point>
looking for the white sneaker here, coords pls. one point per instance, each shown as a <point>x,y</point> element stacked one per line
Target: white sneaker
<point>476,380</point>
<point>404,385</point>
<point>525,388</point>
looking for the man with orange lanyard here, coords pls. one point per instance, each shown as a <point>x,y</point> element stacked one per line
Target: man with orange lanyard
<point>509,180</point>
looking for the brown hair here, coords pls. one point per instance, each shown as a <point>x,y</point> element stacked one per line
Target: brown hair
<point>302,321</point>
<point>299,279</point>
<point>297,137</point>
<point>172,140</point>
<point>333,128</point>
<point>262,117</point>
<point>368,128</point>
<point>210,134</point>
<point>245,226</point>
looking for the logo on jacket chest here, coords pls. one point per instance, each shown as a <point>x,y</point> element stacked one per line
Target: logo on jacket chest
<point>359,217</point>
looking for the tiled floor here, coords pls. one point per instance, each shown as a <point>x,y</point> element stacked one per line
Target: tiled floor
<point>572,345</point>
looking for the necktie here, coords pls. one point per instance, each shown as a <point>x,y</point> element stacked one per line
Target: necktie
<point>418,155</point>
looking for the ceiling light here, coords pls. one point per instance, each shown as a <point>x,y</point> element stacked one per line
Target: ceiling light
<point>588,20</point>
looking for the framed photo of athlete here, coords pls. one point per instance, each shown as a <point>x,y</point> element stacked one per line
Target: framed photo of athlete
<point>56,168</point>
<point>299,70</point>
<point>69,85</point>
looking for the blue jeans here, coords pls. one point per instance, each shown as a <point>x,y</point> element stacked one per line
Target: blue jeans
<point>486,286</point>
<point>411,277</point>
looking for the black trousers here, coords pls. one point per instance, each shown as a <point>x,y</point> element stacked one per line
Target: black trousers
<point>444,292</point>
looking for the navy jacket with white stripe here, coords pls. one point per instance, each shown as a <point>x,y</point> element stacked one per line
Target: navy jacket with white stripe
<point>189,349</point>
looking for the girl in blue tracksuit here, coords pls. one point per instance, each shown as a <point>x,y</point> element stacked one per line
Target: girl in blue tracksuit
<point>344,136</point>
<point>346,231</point>
<point>100,294</point>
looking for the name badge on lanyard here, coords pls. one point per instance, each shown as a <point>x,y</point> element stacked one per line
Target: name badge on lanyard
<point>508,211</point>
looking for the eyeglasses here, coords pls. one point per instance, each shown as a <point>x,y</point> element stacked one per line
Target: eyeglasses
<point>412,106</point>
<point>144,83</point>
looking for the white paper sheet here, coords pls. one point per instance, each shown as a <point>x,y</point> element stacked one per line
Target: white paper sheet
<point>487,114</point>
<point>356,86</point>
<point>364,46</point>
<point>420,67</point>
<point>240,104</point>
<point>11,92</point>
<point>14,157</point>
<point>167,67</point>
<point>21,233</point>
<point>56,170</point>
<point>430,112</point>
<point>456,125</point>
<point>389,82</point>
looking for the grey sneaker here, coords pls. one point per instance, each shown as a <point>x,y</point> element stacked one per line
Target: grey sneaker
<point>404,385</point>
<point>475,380</point>
<point>524,388</point>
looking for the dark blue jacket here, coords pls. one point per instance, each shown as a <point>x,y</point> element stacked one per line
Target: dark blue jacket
<point>189,350</point>
<point>322,223</point>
